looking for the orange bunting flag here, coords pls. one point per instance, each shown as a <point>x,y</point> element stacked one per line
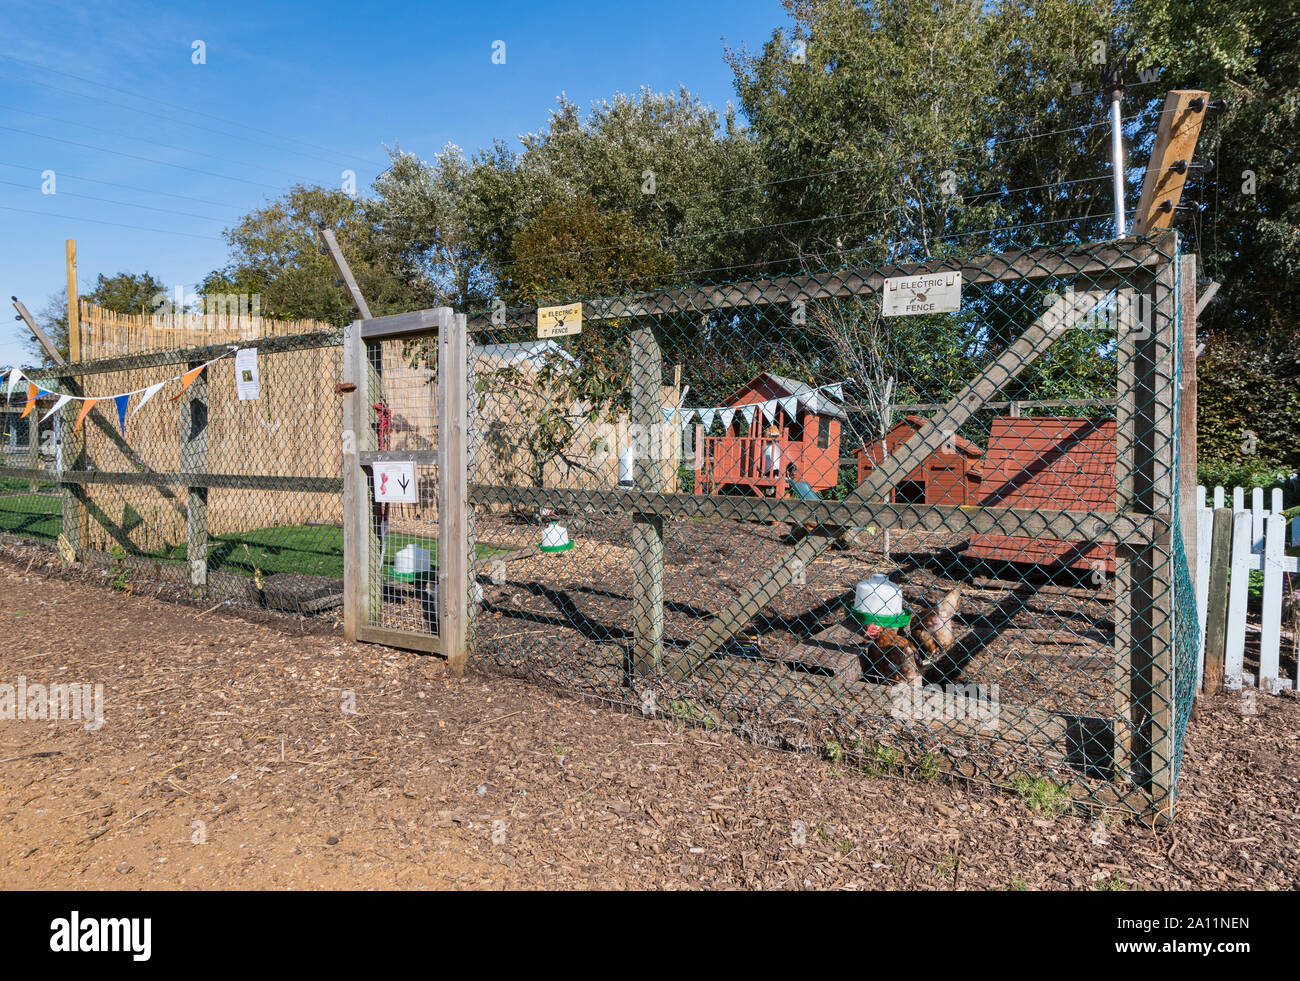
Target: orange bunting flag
<point>86,406</point>
<point>187,379</point>
<point>31,401</point>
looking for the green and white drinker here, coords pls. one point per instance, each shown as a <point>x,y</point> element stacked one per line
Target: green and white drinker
<point>878,605</point>
<point>555,538</point>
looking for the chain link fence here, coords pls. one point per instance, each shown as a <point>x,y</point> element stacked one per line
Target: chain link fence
<point>192,493</point>
<point>818,509</point>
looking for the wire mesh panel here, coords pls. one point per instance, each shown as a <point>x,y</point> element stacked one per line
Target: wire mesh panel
<point>193,492</point>
<point>852,510</point>
<point>401,409</point>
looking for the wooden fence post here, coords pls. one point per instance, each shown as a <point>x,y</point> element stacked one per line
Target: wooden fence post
<point>355,534</point>
<point>647,529</point>
<point>194,460</point>
<point>453,491</point>
<point>1216,618</point>
<point>76,519</point>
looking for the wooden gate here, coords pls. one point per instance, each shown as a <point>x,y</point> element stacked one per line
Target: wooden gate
<point>406,563</point>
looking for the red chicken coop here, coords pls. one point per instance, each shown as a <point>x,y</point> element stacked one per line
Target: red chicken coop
<point>1049,463</point>
<point>777,430</point>
<point>944,477</point>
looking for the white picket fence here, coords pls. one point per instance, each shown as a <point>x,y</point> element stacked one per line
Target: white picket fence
<point>1259,543</point>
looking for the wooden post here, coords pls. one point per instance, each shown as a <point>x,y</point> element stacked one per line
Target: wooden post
<point>76,519</point>
<point>647,529</point>
<point>1216,619</point>
<point>453,492</point>
<point>344,272</point>
<point>1176,137</point>
<point>194,459</point>
<point>1145,573</point>
<point>355,512</point>
<point>1187,412</point>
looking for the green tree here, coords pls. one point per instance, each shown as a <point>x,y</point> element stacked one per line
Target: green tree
<point>276,254</point>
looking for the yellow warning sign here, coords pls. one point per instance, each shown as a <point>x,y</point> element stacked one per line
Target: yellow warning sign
<point>559,321</point>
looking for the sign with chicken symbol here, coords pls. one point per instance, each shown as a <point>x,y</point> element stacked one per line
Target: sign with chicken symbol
<point>906,296</point>
<point>395,483</point>
<point>559,321</point>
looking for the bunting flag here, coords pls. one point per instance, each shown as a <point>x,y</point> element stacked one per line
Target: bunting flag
<point>187,380</point>
<point>726,415</point>
<point>86,406</point>
<point>63,400</point>
<point>149,393</point>
<point>122,401</point>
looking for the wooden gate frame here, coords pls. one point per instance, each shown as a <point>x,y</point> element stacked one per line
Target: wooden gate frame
<point>362,571</point>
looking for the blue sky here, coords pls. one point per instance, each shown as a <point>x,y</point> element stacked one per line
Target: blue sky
<point>290,92</point>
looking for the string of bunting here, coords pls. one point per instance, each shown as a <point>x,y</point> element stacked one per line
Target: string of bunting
<point>812,400</point>
<point>120,401</point>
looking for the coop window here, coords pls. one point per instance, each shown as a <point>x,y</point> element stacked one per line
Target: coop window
<point>796,432</point>
<point>823,434</point>
<point>910,492</point>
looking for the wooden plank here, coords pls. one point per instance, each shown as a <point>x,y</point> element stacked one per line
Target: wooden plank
<point>403,325</point>
<point>76,520</point>
<point>1154,682</point>
<point>1207,296</point>
<point>454,608</point>
<point>161,359</point>
<point>354,484</point>
<point>1179,129</point>
<point>1204,542</point>
<point>1091,262</point>
<point>1098,526</point>
<point>647,527</point>
<point>423,458</point>
<point>344,272</point>
<point>1187,411</point>
<point>162,481</point>
<point>194,460</point>
<point>1270,640</point>
<point>1242,563</point>
<point>401,639</point>
<point>1216,622</point>
<point>1064,312</point>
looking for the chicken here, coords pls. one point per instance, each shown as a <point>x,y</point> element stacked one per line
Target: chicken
<point>898,653</point>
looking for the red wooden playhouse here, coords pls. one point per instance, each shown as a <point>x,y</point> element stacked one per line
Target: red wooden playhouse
<point>778,430</point>
<point>1049,462</point>
<point>944,477</point>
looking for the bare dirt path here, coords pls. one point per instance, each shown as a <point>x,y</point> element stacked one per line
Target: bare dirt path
<point>227,761</point>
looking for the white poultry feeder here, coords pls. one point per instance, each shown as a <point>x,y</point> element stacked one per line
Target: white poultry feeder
<point>412,563</point>
<point>878,605</point>
<point>555,538</point>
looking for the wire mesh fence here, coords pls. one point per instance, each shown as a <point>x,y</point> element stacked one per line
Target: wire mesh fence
<point>189,490</point>
<point>830,511</point>
<point>925,518</point>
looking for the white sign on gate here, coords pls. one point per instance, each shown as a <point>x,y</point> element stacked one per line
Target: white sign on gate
<point>395,483</point>
<point>907,296</point>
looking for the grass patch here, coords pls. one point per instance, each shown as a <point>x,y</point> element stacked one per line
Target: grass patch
<point>31,516</point>
<point>1042,796</point>
<point>309,550</point>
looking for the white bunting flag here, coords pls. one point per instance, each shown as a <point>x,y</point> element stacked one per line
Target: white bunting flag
<point>15,376</point>
<point>726,415</point>
<point>790,406</point>
<point>148,393</point>
<point>706,418</point>
<point>63,400</point>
